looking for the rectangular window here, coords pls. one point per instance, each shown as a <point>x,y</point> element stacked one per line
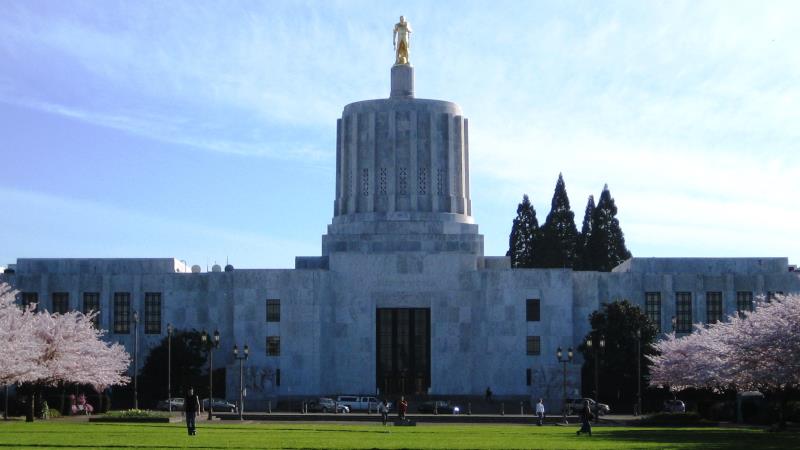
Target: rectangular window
<point>534,345</point>
<point>713,307</point>
<point>273,346</point>
<point>683,312</point>
<point>152,313</point>
<point>277,377</point>
<point>122,312</point>
<point>91,302</point>
<point>773,295</point>
<point>533,309</point>
<point>652,307</point>
<point>29,298</point>
<point>744,301</point>
<point>273,310</point>
<point>60,302</point>
<point>528,377</point>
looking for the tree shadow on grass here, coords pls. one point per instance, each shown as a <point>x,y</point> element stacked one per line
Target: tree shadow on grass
<point>703,438</point>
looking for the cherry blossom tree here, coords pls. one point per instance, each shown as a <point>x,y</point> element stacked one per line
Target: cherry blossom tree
<point>18,351</point>
<point>49,349</point>
<point>759,350</point>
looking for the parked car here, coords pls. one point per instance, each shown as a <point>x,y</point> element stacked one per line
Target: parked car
<point>177,404</point>
<point>219,405</point>
<point>574,405</point>
<point>325,404</point>
<point>674,406</point>
<point>360,402</point>
<point>441,407</point>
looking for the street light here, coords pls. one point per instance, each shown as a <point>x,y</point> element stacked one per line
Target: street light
<point>135,360</point>
<point>210,345</point>
<point>638,371</point>
<point>169,366</point>
<point>601,344</point>
<point>241,376</point>
<point>564,361</point>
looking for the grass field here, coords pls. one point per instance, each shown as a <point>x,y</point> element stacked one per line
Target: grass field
<point>62,434</point>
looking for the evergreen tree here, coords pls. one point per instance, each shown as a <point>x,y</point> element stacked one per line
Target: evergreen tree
<point>523,235</point>
<point>606,246</point>
<point>584,263</point>
<point>557,247</point>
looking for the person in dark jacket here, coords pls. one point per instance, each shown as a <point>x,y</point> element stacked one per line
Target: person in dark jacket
<point>403,407</point>
<point>586,416</point>
<point>191,405</point>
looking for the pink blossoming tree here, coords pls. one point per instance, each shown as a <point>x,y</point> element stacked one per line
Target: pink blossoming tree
<point>758,351</point>
<point>48,349</point>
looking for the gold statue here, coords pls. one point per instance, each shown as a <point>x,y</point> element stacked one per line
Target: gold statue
<point>400,40</point>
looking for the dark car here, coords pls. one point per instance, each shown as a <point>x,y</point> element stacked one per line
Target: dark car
<point>324,404</point>
<point>219,405</point>
<point>440,407</point>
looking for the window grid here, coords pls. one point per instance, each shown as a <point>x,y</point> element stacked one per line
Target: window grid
<point>533,310</point>
<point>713,307</point>
<point>773,295</point>
<point>403,176</point>
<point>534,345</point>
<point>60,302</point>
<point>122,313</point>
<point>683,312</point>
<point>273,310</point>
<point>744,301</point>
<point>273,346</point>
<point>652,308</point>
<point>152,313</point>
<point>91,302</point>
<point>365,182</point>
<point>30,297</point>
<point>382,181</point>
<point>422,181</point>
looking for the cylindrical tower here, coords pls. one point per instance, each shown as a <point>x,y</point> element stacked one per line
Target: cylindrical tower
<point>402,168</point>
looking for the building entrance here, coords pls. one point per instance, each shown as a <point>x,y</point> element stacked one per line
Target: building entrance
<point>403,337</point>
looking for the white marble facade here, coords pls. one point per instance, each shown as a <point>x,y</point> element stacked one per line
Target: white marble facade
<point>402,236</point>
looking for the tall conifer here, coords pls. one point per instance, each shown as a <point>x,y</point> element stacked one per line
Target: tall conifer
<point>606,246</point>
<point>521,241</point>
<point>557,247</point>
<point>584,262</point>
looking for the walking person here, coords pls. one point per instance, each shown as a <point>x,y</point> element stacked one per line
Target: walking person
<point>540,412</point>
<point>488,395</point>
<point>383,408</point>
<point>191,405</point>
<point>586,416</point>
<point>402,408</point>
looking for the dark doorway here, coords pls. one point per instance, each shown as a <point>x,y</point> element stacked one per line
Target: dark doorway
<point>403,337</point>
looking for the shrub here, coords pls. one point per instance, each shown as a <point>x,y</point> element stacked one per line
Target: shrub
<point>136,414</point>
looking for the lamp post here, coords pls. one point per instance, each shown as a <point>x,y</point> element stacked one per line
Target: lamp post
<point>241,359</point>
<point>601,344</point>
<point>638,371</point>
<point>135,360</point>
<point>564,361</point>
<point>169,366</point>
<point>210,344</point>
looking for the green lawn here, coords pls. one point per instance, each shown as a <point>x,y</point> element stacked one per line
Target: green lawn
<point>61,434</point>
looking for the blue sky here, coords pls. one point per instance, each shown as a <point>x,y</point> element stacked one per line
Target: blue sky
<point>206,130</point>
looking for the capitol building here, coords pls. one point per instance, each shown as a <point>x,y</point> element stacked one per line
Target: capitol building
<point>403,299</point>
